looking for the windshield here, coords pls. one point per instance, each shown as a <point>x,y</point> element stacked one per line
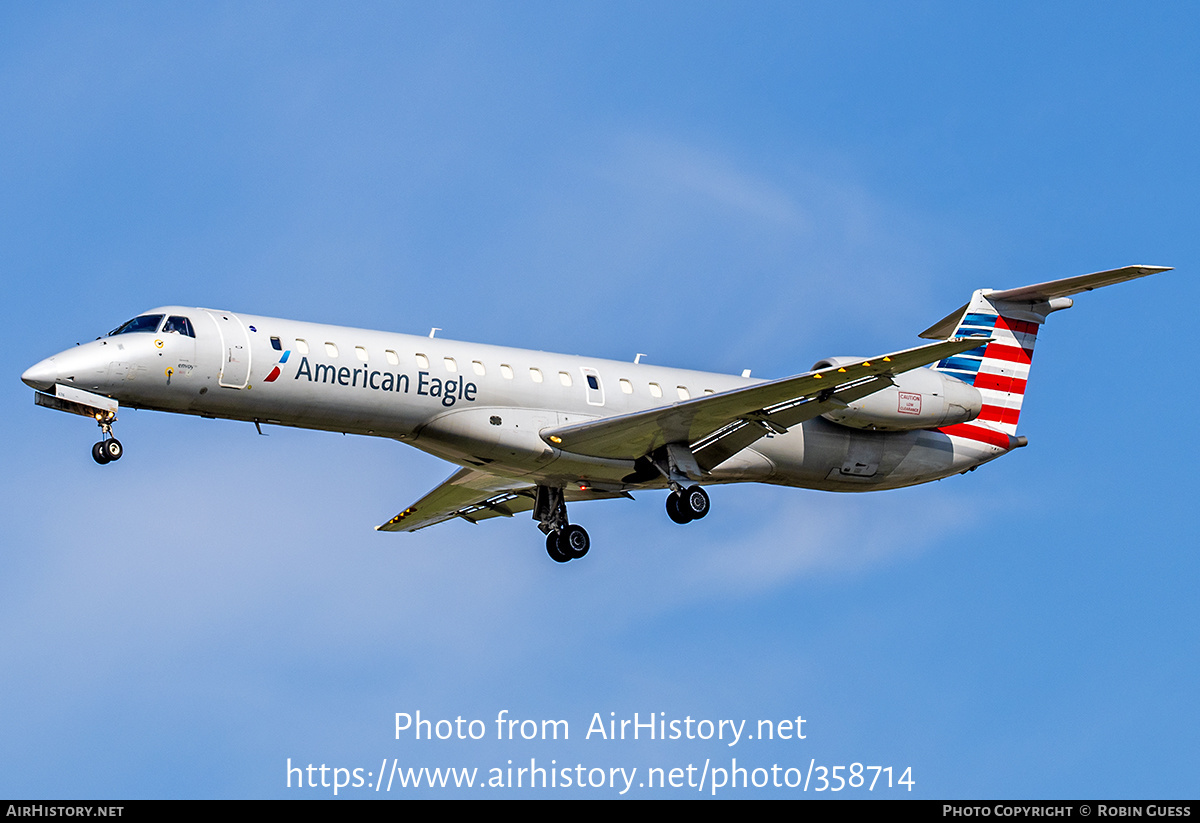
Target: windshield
<point>146,322</point>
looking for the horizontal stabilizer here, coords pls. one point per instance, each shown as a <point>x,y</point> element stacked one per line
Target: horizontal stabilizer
<point>1074,285</point>
<point>1042,292</point>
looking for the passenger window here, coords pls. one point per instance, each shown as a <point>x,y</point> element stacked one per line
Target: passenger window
<point>655,390</point>
<point>506,371</point>
<point>331,349</point>
<point>422,361</point>
<point>565,378</point>
<point>626,386</point>
<point>392,357</point>
<point>451,364</point>
<point>683,392</point>
<point>180,325</point>
<point>361,353</point>
<point>275,344</point>
<point>593,383</point>
<point>478,367</point>
<point>709,391</point>
<point>535,375</point>
<point>301,346</point>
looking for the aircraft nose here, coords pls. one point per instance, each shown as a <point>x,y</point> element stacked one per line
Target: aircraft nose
<point>42,376</point>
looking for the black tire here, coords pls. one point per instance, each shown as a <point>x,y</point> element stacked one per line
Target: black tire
<point>552,549</point>
<point>676,510</point>
<point>695,502</point>
<point>99,453</point>
<point>574,542</point>
<point>112,448</point>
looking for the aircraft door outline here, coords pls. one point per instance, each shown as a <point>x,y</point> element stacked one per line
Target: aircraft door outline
<point>595,388</point>
<point>235,350</point>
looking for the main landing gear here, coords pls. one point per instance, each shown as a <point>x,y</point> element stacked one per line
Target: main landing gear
<point>109,448</point>
<point>686,505</point>
<point>563,541</point>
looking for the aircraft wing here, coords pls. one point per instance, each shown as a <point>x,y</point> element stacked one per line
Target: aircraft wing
<point>476,495</point>
<point>773,405</point>
<point>727,441</point>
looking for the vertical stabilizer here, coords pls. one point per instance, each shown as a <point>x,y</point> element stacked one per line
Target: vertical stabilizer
<point>998,369</point>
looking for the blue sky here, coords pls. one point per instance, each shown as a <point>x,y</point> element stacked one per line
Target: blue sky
<point>719,187</point>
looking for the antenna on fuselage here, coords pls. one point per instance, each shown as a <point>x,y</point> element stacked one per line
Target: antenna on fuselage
<point>640,355</point>
<point>433,330</point>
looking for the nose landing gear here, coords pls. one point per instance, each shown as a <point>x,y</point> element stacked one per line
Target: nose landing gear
<point>109,448</point>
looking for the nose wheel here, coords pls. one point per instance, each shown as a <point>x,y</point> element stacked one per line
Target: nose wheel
<point>107,451</point>
<point>109,448</point>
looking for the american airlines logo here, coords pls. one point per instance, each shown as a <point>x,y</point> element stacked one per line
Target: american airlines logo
<point>274,375</point>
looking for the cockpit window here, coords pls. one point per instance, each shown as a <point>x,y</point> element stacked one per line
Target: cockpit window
<point>146,322</point>
<point>179,325</point>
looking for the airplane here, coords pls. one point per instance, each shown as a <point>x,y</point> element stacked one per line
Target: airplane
<point>534,431</point>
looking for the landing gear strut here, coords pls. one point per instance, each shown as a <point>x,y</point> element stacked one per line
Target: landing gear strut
<point>563,541</point>
<point>686,505</point>
<point>109,448</point>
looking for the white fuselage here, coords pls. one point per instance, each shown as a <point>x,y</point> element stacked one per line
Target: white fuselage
<point>472,404</point>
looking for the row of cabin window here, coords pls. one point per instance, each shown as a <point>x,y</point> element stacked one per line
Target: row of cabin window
<point>506,371</point>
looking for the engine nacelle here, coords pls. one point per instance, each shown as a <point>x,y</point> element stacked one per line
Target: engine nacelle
<point>921,399</point>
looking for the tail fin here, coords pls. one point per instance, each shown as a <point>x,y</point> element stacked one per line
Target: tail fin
<point>1000,368</point>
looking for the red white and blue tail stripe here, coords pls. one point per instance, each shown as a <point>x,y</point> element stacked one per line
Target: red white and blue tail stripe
<point>999,369</point>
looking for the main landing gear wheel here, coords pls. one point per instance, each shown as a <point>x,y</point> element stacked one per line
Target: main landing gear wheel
<point>552,549</point>
<point>570,543</point>
<point>674,511</point>
<point>687,505</point>
<point>574,542</point>
<point>100,454</point>
<point>563,541</point>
